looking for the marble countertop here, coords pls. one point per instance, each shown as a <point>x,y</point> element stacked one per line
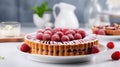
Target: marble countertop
<point>10,57</point>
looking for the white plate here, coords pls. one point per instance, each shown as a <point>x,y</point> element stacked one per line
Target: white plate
<point>60,59</point>
<point>109,36</point>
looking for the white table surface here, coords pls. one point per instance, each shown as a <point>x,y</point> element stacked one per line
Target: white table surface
<point>12,58</point>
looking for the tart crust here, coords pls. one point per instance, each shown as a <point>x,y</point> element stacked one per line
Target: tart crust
<point>71,48</point>
<point>112,32</point>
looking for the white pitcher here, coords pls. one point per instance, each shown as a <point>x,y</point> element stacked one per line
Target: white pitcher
<point>66,16</point>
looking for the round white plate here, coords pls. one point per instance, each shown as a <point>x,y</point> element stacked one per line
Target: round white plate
<point>60,59</point>
<point>109,36</point>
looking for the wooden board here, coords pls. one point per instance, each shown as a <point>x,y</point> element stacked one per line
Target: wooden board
<point>13,39</point>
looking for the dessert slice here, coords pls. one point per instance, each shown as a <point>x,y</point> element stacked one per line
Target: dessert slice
<point>107,30</point>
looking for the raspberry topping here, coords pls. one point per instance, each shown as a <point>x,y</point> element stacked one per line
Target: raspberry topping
<point>71,37</point>
<point>115,55</point>
<point>94,49</point>
<point>110,45</point>
<point>65,38</point>
<point>99,31</point>
<point>48,32</point>
<point>39,36</point>
<point>55,37</point>
<point>48,28</point>
<point>59,34</point>
<point>56,30</point>
<point>25,48</point>
<point>82,32</point>
<point>64,30</point>
<point>46,37</point>
<point>77,36</point>
<point>70,32</point>
<point>40,31</point>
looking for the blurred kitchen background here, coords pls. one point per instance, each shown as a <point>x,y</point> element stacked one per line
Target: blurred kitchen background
<point>21,10</point>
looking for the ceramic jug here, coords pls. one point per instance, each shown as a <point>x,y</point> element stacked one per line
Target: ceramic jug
<point>66,17</point>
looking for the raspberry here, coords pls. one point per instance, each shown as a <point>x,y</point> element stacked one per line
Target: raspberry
<point>94,49</point>
<point>95,30</point>
<point>57,30</point>
<point>99,31</point>
<point>40,31</point>
<point>77,36</point>
<point>70,32</point>
<point>25,48</point>
<point>29,36</point>
<point>60,33</point>
<point>65,38</point>
<point>71,37</point>
<point>55,37</point>
<point>115,55</point>
<point>82,32</point>
<point>46,37</point>
<point>48,32</point>
<point>110,45</point>
<point>64,30</point>
<point>39,36</point>
<point>48,28</point>
<point>76,30</point>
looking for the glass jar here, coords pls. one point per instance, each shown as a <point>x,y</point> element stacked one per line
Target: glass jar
<point>10,29</point>
<point>113,10</point>
<point>94,14</point>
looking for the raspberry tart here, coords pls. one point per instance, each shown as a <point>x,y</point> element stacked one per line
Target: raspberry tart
<point>60,42</point>
<point>107,30</point>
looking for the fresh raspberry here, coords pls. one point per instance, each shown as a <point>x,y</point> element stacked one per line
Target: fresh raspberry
<point>25,48</point>
<point>65,38</point>
<point>76,30</point>
<point>48,28</point>
<point>57,30</point>
<point>39,36</point>
<point>110,45</point>
<point>48,32</point>
<point>29,36</point>
<point>99,31</point>
<point>95,30</point>
<point>82,32</point>
<point>77,36</point>
<point>71,37</point>
<point>70,32</point>
<point>60,33</point>
<point>55,37</point>
<point>40,31</point>
<point>94,49</point>
<point>64,30</point>
<point>115,55</point>
<point>46,37</point>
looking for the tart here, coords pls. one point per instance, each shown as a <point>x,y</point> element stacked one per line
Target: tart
<point>107,30</point>
<point>60,42</point>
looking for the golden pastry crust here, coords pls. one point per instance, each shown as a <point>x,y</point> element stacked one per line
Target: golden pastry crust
<point>112,32</point>
<point>71,48</point>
